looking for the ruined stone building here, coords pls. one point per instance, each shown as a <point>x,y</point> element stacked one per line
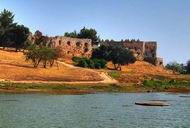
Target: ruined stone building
<point>72,46</point>
<point>142,50</point>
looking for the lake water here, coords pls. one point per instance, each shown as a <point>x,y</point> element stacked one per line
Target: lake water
<point>110,110</point>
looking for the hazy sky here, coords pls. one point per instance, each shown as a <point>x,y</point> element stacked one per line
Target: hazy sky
<point>165,21</point>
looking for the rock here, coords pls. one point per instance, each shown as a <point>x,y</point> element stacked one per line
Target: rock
<point>153,103</point>
<point>185,96</point>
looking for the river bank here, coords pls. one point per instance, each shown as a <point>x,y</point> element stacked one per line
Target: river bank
<point>78,89</point>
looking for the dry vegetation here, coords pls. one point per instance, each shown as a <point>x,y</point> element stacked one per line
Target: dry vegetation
<point>140,71</point>
<point>14,67</point>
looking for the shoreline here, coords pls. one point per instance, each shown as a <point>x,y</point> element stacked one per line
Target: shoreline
<point>81,89</point>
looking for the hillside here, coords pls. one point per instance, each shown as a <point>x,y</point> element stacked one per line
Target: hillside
<point>140,70</point>
<point>14,67</point>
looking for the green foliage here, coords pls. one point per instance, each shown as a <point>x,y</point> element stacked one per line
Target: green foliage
<point>102,52</point>
<point>84,33</point>
<point>6,20</point>
<point>118,55</point>
<point>41,54</point>
<point>18,35</point>
<point>99,63</point>
<point>165,84</point>
<point>71,34</point>
<point>176,67</point>
<point>11,34</point>
<point>89,34</point>
<point>89,63</point>
<point>76,60</point>
<point>114,74</point>
<point>188,67</point>
<point>83,63</point>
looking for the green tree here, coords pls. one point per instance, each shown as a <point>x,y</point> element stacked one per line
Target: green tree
<point>40,39</point>
<point>6,23</point>
<point>84,33</point>
<point>121,56</point>
<point>118,55</point>
<point>42,55</point>
<point>71,34</point>
<point>89,34</point>
<point>102,52</point>
<point>175,67</point>
<point>18,36</point>
<point>188,67</point>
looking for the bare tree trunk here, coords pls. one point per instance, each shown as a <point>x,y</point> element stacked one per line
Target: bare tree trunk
<point>57,64</point>
<point>51,63</point>
<point>45,63</point>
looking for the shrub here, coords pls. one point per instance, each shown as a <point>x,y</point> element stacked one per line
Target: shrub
<point>83,63</point>
<point>176,67</point>
<point>99,63</point>
<point>89,63</point>
<point>76,60</point>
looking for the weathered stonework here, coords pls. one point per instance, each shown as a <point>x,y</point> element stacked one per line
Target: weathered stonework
<point>142,50</point>
<point>73,46</point>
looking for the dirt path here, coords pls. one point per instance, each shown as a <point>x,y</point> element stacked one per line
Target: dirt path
<point>104,75</point>
<point>106,78</point>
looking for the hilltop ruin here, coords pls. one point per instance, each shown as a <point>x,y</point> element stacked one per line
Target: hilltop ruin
<point>142,50</point>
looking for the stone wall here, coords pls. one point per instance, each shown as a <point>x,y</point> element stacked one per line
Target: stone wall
<point>73,46</point>
<point>150,50</point>
<point>142,50</point>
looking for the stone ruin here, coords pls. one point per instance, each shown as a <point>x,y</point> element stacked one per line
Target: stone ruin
<point>73,46</point>
<point>142,50</point>
<point>70,46</point>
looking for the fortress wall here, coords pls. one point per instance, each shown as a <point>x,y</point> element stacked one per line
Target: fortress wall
<point>150,49</point>
<point>73,46</point>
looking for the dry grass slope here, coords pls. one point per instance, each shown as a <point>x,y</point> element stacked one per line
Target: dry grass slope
<point>14,67</point>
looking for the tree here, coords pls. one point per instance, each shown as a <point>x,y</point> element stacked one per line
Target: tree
<point>121,56</point>
<point>84,33</point>
<point>89,34</point>
<point>18,35</point>
<point>175,67</point>
<point>118,55</point>
<point>42,54</point>
<point>6,23</point>
<point>188,67</point>
<point>71,34</point>
<point>102,52</point>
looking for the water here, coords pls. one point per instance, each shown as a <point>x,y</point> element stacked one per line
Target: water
<point>92,111</point>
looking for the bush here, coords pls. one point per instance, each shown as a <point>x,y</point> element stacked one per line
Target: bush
<point>89,63</point>
<point>176,67</point>
<point>99,63</point>
<point>83,63</point>
<point>76,60</point>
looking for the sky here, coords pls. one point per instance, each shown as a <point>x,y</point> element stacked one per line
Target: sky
<point>164,21</point>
